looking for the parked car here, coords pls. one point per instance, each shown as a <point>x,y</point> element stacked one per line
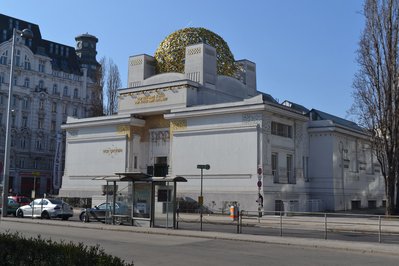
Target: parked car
<point>22,200</point>
<point>99,212</point>
<point>46,209</point>
<point>12,206</point>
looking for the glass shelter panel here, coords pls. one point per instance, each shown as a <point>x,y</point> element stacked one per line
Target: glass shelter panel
<point>163,207</point>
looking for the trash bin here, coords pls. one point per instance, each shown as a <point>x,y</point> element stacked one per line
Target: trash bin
<point>234,212</point>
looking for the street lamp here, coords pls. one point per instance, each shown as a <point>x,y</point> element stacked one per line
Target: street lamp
<point>201,198</point>
<point>26,33</point>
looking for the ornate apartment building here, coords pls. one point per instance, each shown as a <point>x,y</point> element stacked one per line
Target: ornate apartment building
<point>51,82</point>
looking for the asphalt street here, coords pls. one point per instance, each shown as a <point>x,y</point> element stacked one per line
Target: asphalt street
<point>163,247</point>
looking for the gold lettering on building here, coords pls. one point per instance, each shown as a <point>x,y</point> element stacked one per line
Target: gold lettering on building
<point>112,151</point>
<point>151,99</point>
<point>123,130</point>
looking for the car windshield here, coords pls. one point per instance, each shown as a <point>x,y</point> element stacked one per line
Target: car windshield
<point>55,201</point>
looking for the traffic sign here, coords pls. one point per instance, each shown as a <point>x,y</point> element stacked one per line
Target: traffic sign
<point>259,183</point>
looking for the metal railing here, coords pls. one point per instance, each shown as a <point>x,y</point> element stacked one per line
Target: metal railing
<point>326,223</point>
<point>344,226</point>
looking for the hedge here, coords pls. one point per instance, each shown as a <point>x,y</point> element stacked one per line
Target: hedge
<point>18,250</point>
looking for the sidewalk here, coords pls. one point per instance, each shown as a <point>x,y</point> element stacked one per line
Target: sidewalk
<point>302,242</point>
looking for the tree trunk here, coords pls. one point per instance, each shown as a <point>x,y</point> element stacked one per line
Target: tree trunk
<point>390,203</point>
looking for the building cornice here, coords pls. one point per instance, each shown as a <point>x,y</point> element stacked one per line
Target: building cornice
<point>73,123</point>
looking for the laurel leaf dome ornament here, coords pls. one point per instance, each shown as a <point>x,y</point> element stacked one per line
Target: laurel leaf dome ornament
<point>170,53</point>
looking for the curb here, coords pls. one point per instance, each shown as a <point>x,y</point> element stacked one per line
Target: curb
<point>363,247</point>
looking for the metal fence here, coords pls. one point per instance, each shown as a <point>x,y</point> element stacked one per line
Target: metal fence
<point>342,226</point>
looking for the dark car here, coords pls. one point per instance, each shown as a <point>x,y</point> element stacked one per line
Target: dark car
<point>99,213</point>
<point>12,206</point>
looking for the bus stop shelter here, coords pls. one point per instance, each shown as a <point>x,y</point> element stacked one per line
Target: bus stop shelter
<point>147,201</point>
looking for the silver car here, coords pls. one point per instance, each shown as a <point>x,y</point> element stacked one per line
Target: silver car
<point>46,209</point>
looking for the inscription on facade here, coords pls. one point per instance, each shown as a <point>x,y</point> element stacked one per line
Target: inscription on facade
<point>112,151</point>
<point>151,99</point>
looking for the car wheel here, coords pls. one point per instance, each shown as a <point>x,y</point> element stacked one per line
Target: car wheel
<point>45,215</point>
<point>83,217</point>
<point>20,214</point>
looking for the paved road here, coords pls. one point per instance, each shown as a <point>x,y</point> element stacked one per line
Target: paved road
<point>160,249</point>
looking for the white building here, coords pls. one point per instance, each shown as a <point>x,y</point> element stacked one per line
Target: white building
<point>51,82</point>
<point>169,123</point>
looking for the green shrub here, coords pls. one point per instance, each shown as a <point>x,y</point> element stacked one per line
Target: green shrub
<point>17,250</point>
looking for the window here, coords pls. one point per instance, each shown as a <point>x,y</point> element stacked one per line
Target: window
<point>356,204</point>
<point>75,111</point>
<point>39,145</point>
<point>4,35</point>
<point>65,109</point>
<point>25,103</point>
<point>54,107</point>
<point>23,143</point>
<point>40,123</point>
<point>24,121</point>
<point>14,100</point>
<point>66,91</point>
<point>2,77</point>
<point>281,130</point>
<point>42,65</point>
<point>275,167</point>
<point>135,162</point>
<point>53,125</point>
<point>290,173</point>
<point>305,163</point>
<point>13,119</point>
<point>15,80</point>
<point>18,58</point>
<point>27,63</point>
<point>26,83</point>
<point>22,163</point>
<point>55,89</point>
<point>41,104</point>
<point>75,93</point>
<point>4,57</point>
<point>41,84</point>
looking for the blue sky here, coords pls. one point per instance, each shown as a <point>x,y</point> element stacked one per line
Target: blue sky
<point>304,50</point>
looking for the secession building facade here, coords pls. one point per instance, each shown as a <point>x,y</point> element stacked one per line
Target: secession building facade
<point>168,123</point>
<point>51,81</point>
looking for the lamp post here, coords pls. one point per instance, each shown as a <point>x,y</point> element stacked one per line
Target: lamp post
<point>26,33</point>
<point>201,198</point>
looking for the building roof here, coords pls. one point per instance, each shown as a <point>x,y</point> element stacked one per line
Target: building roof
<point>296,107</point>
<point>319,115</point>
<point>63,57</point>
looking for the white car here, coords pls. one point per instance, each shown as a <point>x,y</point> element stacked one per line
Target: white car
<point>46,209</point>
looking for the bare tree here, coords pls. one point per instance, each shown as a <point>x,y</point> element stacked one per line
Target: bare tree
<point>113,84</point>
<point>97,99</point>
<point>376,91</point>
